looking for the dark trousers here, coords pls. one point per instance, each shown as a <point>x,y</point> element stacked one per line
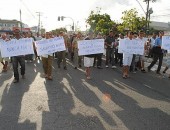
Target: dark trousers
<point>155,58</point>
<point>98,57</point>
<point>21,61</point>
<point>29,57</point>
<point>61,57</point>
<point>120,59</point>
<point>109,56</point>
<point>116,56</point>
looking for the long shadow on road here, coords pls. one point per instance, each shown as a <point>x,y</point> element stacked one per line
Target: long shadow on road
<point>11,103</point>
<point>65,104</point>
<point>127,94</point>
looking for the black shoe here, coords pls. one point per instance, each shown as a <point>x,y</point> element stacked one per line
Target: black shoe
<point>158,73</point>
<point>163,72</point>
<point>80,66</point>
<point>65,68</point>
<point>75,67</point>
<point>15,81</point>
<point>143,70</point>
<point>99,67</point>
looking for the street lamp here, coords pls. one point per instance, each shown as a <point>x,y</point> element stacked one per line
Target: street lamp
<point>61,18</point>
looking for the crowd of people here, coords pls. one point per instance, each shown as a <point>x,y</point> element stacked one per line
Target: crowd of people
<point>113,59</point>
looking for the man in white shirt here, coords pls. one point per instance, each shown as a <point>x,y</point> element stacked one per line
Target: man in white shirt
<point>142,40</point>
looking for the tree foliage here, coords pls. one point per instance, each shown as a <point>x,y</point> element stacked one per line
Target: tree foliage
<point>131,21</point>
<point>56,31</point>
<point>100,22</point>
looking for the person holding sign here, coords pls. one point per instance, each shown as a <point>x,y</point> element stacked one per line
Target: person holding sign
<point>157,53</point>
<point>127,58</point>
<point>77,58</point>
<point>109,43</point>
<point>47,62</point>
<point>62,54</point>
<point>88,59</point>
<point>6,59</point>
<point>18,59</point>
<point>142,40</point>
<point>167,63</point>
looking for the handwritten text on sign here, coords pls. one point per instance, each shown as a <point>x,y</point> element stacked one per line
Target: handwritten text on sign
<point>166,42</point>
<point>48,46</point>
<point>131,46</point>
<point>87,47</point>
<point>16,47</point>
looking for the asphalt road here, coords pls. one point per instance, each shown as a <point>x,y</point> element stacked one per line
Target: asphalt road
<point>70,102</point>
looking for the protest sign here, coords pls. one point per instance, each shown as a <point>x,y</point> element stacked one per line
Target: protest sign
<point>87,47</point>
<point>16,47</point>
<point>131,46</point>
<point>166,42</point>
<point>48,46</point>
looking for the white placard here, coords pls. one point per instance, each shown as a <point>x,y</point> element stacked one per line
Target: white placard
<point>131,46</point>
<point>87,47</point>
<point>121,45</point>
<point>166,43</point>
<point>48,46</point>
<point>16,47</point>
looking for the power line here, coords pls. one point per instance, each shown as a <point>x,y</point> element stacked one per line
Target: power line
<point>141,7</point>
<point>28,10</point>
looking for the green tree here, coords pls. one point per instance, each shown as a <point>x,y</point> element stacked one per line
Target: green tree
<point>131,21</point>
<point>100,22</point>
<point>56,31</point>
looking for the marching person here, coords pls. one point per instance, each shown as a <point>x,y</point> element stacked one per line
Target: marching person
<point>88,59</point>
<point>98,57</point>
<point>127,58</point>
<point>157,53</point>
<point>77,58</point>
<point>47,61</point>
<point>167,63</point>
<point>18,59</point>
<point>142,40</point>
<point>5,60</point>
<point>109,43</point>
<point>62,54</point>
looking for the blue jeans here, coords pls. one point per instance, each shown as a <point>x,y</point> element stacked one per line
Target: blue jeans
<point>21,61</point>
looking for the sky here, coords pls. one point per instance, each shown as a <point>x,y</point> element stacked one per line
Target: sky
<point>76,10</point>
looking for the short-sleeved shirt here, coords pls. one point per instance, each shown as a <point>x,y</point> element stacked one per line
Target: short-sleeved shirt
<point>109,40</point>
<point>75,42</point>
<point>158,42</point>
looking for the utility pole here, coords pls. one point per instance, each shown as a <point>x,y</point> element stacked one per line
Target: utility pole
<point>39,17</point>
<point>147,12</point>
<point>20,20</point>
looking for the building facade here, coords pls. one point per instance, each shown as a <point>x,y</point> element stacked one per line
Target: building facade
<point>10,25</point>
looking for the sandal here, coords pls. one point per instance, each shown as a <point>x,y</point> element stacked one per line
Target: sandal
<point>124,76</point>
<point>50,78</point>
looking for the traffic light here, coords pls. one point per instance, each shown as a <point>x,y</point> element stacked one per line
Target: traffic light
<point>58,18</point>
<point>62,18</point>
<point>72,27</point>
